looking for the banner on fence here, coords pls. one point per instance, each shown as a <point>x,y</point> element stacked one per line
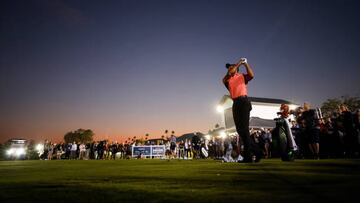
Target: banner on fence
<point>148,151</point>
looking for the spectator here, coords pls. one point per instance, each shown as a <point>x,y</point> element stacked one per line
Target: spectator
<point>50,151</point>
<point>114,150</point>
<point>100,150</point>
<point>73,150</point>
<point>187,146</point>
<point>181,150</point>
<point>350,134</point>
<point>267,139</point>
<point>167,150</point>
<point>82,151</point>
<point>195,143</point>
<point>59,151</point>
<point>173,144</point>
<point>88,149</point>
<point>310,121</point>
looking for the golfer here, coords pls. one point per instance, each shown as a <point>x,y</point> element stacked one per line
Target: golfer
<point>236,83</point>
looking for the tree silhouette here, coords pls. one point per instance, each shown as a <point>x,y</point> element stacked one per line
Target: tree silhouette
<point>331,106</point>
<point>80,136</point>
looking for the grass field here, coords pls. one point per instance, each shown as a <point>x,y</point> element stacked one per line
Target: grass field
<point>179,181</point>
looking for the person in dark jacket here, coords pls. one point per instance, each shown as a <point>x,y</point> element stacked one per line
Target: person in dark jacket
<point>310,120</point>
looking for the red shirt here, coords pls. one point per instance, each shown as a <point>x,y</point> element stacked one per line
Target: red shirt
<point>238,85</point>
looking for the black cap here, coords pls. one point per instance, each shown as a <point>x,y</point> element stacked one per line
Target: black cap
<point>228,65</point>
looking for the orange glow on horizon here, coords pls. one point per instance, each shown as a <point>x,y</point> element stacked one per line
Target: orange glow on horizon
<point>57,137</point>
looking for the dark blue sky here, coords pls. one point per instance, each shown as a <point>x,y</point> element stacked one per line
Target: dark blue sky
<point>126,68</point>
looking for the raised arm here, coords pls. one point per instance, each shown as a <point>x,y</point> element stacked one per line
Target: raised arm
<point>249,71</point>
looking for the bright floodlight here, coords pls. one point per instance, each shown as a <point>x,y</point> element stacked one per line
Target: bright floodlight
<point>223,134</point>
<point>10,151</point>
<point>220,109</point>
<point>20,151</point>
<point>207,137</point>
<point>39,147</point>
<point>15,151</point>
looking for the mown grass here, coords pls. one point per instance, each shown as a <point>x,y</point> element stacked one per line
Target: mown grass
<point>178,181</point>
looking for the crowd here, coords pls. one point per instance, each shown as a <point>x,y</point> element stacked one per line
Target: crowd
<point>337,136</point>
<point>86,151</point>
<point>316,137</point>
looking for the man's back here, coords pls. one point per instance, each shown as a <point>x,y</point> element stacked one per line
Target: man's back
<point>309,118</point>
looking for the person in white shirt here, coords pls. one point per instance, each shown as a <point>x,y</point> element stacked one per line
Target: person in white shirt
<point>73,150</point>
<point>82,151</point>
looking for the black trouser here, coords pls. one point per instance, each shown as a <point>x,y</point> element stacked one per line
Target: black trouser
<point>241,112</point>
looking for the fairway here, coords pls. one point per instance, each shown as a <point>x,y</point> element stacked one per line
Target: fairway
<point>178,181</point>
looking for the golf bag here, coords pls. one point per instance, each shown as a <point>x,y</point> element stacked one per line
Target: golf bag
<point>204,153</point>
<point>204,150</point>
<point>283,141</point>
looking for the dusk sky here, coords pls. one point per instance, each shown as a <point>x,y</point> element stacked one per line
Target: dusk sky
<point>127,68</point>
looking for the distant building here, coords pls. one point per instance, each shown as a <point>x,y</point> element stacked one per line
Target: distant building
<point>189,136</point>
<point>17,148</point>
<point>160,141</point>
<point>262,115</point>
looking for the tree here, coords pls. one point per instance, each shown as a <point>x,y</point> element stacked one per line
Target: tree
<point>353,103</point>
<point>32,153</point>
<point>140,141</point>
<point>79,136</point>
<point>2,152</point>
<point>331,106</point>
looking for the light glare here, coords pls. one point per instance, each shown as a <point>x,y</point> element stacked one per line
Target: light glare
<point>220,109</point>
